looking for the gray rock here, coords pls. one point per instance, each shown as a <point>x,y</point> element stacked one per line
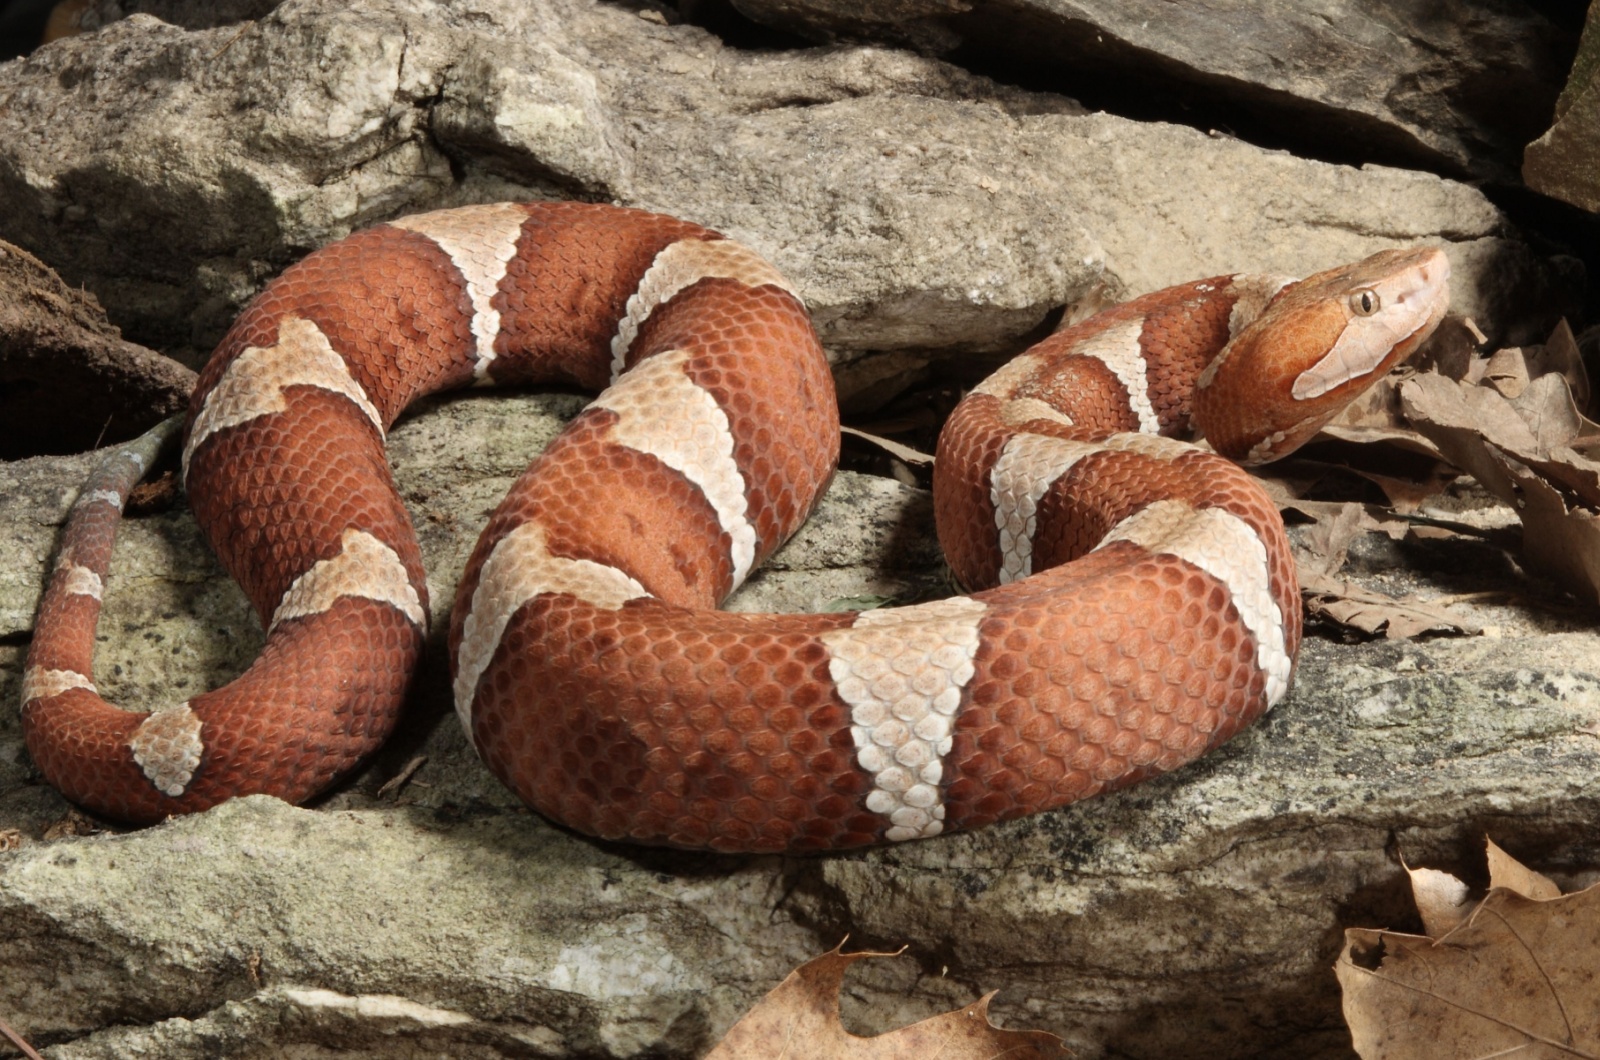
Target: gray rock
<point>1364,79</point>
<point>921,210</point>
<point>1564,163</point>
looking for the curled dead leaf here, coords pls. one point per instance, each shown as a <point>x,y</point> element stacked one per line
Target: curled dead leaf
<point>1510,874</point>
<point>1515,975</point>
<point>1443,900</point>
<point>1358,609</point>
<point>800,1018</point>
<point>1521,450</point>
<point>1507,372</point>
<point>1329,540</point>
<point>1560,355</point>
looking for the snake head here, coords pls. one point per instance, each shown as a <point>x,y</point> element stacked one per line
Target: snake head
<point>1316,347</point>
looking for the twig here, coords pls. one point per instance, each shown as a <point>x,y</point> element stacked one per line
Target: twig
<point>903,452</point>
<point>229,43</point>
<point>396,782</point>
<point>16,1039</point>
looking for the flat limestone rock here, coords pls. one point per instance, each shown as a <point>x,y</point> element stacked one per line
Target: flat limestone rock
<point>1401,82</point>
<point>920,209</point>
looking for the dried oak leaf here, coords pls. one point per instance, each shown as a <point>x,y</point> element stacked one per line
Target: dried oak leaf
<point>1344,603</point>
<point>1397,618</point>
<point>1516,976</point>
<point>1525,451</point>
<point>800,1018</point>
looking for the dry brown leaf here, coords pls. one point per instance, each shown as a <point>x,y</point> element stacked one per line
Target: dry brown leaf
<point>1507,372</point>
<point>1367,612</point>
<point>1561,541</point>
<point>1537,428</point>
<point>1517,976</point>
<point>1510,874</point>
<point>1546,406</point>
<point>1443,900</point>
<point>1329,540</point>
<point>1518,450</point>
<point>1326,543</point>
<point>1560,355</point>
<point>799,1020</point>
<point>1433,402</point>
<point>1520,978</point>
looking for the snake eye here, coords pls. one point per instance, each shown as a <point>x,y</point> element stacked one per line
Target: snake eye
<point>1365,302</point>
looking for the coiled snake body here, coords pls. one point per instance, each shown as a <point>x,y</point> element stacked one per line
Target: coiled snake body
<point>1137,604</point>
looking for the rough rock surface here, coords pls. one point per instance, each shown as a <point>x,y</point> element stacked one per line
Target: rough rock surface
<point>920,209</point>
<point>1564,163</point>
<point>929,217</point>
<point>67,379</point>
<point>1458,89</point>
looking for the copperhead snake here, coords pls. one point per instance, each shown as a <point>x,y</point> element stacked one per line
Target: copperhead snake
<point>1134,599</point>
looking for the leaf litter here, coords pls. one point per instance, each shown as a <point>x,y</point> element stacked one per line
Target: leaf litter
<point>800,1019</point>
<point>1512,975</point>
<point>1512,420</point>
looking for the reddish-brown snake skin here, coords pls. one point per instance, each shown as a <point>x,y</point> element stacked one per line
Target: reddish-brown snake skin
<point>1137,600</point>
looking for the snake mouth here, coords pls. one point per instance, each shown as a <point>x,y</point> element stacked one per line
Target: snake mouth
<point>1386,320</point>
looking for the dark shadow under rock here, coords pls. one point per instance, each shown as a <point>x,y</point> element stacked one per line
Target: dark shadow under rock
<point>68,380</point>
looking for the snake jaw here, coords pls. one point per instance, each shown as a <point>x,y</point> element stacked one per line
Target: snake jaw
<point>1313,350</point>
<point>1384,320</point>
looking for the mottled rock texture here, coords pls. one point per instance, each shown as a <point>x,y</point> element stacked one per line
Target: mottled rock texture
<point>1564,163</point>
<point>1458,87</point>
